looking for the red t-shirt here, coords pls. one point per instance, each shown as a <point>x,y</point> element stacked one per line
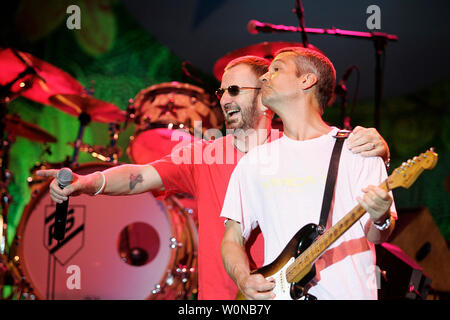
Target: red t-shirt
<point>206,178</point>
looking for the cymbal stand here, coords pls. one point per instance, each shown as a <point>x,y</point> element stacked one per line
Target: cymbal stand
<point>5,174</point>
<point>84,120</point>
<point>131,114</point>
<point>379,39</point>
<point>6,198</point>
<point>114,131</point>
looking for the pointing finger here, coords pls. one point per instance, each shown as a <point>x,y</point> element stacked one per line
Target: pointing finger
<point>51,173</point>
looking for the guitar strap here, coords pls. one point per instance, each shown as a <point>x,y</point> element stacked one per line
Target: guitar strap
<point>331,178</point>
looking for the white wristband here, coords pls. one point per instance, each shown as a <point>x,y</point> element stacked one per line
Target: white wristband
<point>103,184</point>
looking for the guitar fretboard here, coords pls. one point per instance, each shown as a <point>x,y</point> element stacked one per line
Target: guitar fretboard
<point>307,258</point>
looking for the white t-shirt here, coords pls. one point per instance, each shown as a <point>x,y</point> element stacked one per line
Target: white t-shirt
<point>279,186</point>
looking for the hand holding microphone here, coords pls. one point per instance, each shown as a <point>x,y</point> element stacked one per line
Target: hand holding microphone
<point>60,190</point>
<point>64,178</point>
<point>81,184</point>
<point>65,184</point>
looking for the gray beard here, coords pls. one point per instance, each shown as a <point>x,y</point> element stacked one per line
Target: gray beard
<point>250,116</point>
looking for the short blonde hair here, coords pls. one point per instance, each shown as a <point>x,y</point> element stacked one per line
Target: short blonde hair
<point>312,61</point>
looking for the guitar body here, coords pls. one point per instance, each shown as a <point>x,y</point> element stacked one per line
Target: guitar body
<point>277,269</point>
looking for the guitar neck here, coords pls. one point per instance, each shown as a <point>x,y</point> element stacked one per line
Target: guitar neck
<point>298,268</point>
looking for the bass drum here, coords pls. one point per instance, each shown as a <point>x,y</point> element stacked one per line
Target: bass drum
<point>169,115</point>
<point>121,247</point>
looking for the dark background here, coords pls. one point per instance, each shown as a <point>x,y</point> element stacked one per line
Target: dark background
<point>202,31</point>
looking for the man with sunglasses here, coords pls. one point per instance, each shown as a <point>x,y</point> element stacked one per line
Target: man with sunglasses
<point>207,181</point>
<point>280,188</point>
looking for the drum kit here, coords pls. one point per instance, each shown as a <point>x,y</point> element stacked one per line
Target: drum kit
<point>120,247</point>
<point>149,252</point>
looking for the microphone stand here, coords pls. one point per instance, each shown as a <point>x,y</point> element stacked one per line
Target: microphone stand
<point>84,119</point>
<point>341,90</point>
<point>380,40</point>
<point>380,43</point>
<point>301,18</point>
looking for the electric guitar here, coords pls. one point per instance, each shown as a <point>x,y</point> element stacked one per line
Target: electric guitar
<point>294,268</point>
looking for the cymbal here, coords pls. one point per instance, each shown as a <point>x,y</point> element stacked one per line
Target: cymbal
<point>56,80</point>
<point>264,50</point>
<point>18,127</point>
<point>98,110</point>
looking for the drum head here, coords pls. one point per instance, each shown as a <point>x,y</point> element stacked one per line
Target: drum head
<point>164,107</point>
<point>150,145</point>
<point>115,247</point>
<point>177,103</point>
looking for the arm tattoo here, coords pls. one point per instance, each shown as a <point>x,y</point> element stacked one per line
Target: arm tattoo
<point>134,180</point>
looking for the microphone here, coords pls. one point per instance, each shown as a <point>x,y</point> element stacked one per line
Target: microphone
<point>341,88</point>
<point>64,178</point>
<point>255,27</point>
<point>346,75</point>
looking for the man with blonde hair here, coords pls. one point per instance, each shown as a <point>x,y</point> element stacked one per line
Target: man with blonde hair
<point>280,186</point>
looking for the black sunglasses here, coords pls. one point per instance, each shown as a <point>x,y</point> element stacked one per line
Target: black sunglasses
<point>232,90</point>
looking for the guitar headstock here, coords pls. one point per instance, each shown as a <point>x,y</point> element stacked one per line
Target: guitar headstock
<point>405,175</point>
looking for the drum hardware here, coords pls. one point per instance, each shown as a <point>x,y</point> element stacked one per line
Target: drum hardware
<point>38,85</point>
<point>188,74</point>
<point>11,276</point>
<point>174,243</point>
<point>6,96</point>
<point>183,273</point>
<point>97,110</point>
<point>178,200</point>
<point>24,75</point>
<point>156,289</point>
<point>5,89</point>
<point>15,126</point>
<point>131,113</point>
<point>39,79</point>
<point>84,120</point>
<point>161,109</point>
<point>12,126</point>
<point>87,109</point>
<point>114,131</point>
<point>105,154</point>
<point>6,198</point>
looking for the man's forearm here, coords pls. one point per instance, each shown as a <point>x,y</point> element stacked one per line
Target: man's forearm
<point>126,179</point>
<point>235,260</point>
